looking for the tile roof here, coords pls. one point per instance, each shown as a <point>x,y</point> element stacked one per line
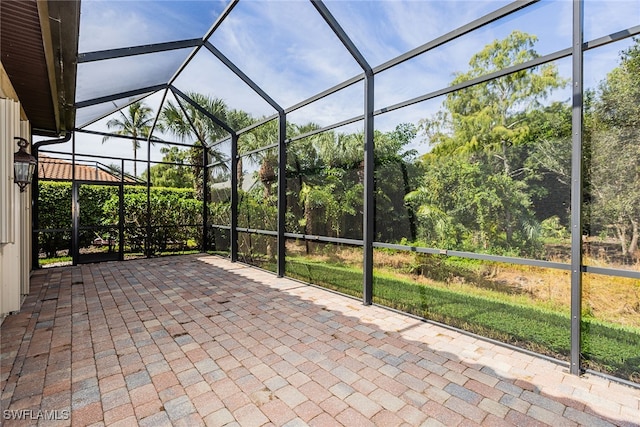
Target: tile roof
<point>59,169</point>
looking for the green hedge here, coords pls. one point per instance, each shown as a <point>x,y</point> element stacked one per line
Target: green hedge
<point>605,347</point>
<point>176,216</point>
<point>52,199</point>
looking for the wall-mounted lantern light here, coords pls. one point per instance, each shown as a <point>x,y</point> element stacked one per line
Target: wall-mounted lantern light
<point>24,164</point>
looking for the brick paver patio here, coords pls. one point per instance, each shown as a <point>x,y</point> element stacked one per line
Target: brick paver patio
<point>196,340</point>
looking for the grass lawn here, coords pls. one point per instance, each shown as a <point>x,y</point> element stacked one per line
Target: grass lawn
<point>606,347</point>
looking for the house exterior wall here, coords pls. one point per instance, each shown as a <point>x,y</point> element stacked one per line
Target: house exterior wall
<point>15,207</point>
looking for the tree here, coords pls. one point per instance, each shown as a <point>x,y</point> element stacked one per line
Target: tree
<point>176,175</point>
<point>391,157</point>
<point>325,182</point>
<point>485,126</point>
<point>196,126</point>
<point>136,124</point>
<point>614,136</point>
<point>252,142</point>
<point>462,205</point>
<point>548,162</point>
<point>488,117</point>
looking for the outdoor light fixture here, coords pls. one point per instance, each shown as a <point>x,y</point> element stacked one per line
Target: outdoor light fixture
<point>24,164</point>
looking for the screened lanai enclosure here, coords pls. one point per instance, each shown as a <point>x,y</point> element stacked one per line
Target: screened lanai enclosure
<point>472,163</point>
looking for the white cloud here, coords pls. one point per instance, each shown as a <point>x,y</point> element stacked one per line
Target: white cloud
<point>284,47</point>
<point>343,105</point>
<point>289,51</point>
<point>603,18</point>
<point>206,75</point>
<point>103,78</point>
<point>108,24</point>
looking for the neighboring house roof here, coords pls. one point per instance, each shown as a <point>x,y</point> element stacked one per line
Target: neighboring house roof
<point>61,170</point>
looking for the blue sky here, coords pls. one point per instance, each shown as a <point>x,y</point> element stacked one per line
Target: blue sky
<point>286,48</point>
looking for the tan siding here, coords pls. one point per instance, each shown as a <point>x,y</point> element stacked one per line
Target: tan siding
<point>9,128</point>
<point>12,209</point>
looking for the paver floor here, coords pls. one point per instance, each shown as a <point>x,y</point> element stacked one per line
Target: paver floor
<point>196,340</point>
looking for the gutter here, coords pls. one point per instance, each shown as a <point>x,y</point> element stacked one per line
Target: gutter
<point>35,248</point>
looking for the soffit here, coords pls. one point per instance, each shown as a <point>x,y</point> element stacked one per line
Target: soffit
<point>38,50</point>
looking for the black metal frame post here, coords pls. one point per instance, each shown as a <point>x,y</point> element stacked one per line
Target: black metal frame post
<point>576,186</point>
<point>369,214</point>
<point>75,241</point>
<point>368,224</point>
<point>282,191</point>
<point>75,214</point>
<point>149,140</point>
<point>233,232</point>
<point>35,214</point>
<point>147,240</point>
<point>205,198</point>
<point>121,213</point>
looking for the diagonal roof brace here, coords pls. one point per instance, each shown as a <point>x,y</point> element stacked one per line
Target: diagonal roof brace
<point>342,35</point>
<point>458,32</point>
<point>214,27</point>
<point>199,107</point>
<point>238,72</point>
<point>193,126</point>
<point>115,96</point>
<point>101,55</point>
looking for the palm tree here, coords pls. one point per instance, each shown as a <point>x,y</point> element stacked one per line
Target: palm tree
<point>264,135</point>
<point>204,131</point>
<point>136,124</point>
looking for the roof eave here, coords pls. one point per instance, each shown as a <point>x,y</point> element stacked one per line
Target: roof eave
<point>60,21</point>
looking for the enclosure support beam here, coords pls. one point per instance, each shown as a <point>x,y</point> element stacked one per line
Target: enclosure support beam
<point>238,72</point>
<point>35,215</point>
<point>368,224</point>
<point>75,215</point>
<point>75,240</point>
<point>147,240</point>
<point>120,95</point>
<point>576,186</point>
<point>205,199</point>
<point>233,233</point>
<point>124,52</point>
<point>369,184</point>
<point>121,213</point>
<point>282,190</point>
<point>227,10</point>
<point>202,110</point>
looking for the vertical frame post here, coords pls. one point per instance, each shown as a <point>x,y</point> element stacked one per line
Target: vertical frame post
<point>147,240</point>
<point>121,213</point>
<point>576,185</point>
<point>282,191</point>
<point>368,219</point>
<point>233,232</point>
<point>369,191</point>
<point>205,198</point>
<point>75,233</point>
<point>35,214</point>
<point>75,214</point>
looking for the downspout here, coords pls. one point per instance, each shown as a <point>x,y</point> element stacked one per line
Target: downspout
<point>35,194</point>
